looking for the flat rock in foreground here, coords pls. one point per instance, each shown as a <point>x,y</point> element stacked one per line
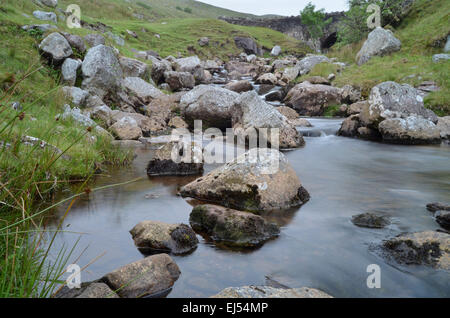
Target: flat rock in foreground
<point>259,180</point>
<point>232,227</point>
<point>421,248</point>
<point>87,290</point>
<point>152,275</point>
<point>151,236</point>
<point>270,292</point>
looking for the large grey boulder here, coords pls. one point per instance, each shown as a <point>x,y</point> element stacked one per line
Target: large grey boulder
<point>210,104</point>
<point>380,42</point>
<point>312,100</point>
<point>276,51</point>
<point>251,113</point>
<point>126,128</point>
<point>191,65</point>
<point>307,64</point>
<point>409,131</point>
<point>270,292</point>
<point>179,80</point>
<point>290,74</point>
<point>101,71</point>
<point>56,48</point>
<point>150,276</point>
<point>268,78</point>
<point>231,227</point>
<point>421,248</point>
<point>69,71</point>
<point>168,162</point>
<point>259,180</point>
<point>45,16</point>
<point>248,45</point>
<point>159,67</point>
<point>136,87</point>
<point>134,68</point>
<point>392,100</point>
<point>152,236</point>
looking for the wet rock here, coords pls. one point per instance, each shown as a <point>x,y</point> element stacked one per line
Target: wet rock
<point>356,108</point>
<point>134,68</point>
<point>94,39</point>
<point>69,71</point>
<point>247,44</point>
<point>75,41</point>
<point>443,218</point>
<point>101,72</point>
<point>56,48</point>
<point>370,220</point>
<point>276,51</point>
<point>259,180</point>
<point>156,274</point>
<point>270,292</point>
<point>437,206</point>
<point>421,248</point>
<point>392,100</point>
<point>141,90</point>
<point>46,16</point>
<point>349,127</point>
<point>239,86</point>
<point>232,227</point>
<point>274,96</point>
<point>177,158</point>
<point>267,78</point>
<point>87,290</point>
<point>410,131</point>
<point>308,63</point>
<point>380,42</point>
<point>312,100</point>
<point>210,104</point>
<point>152,236</point>
<point>444,127</point>
<point>250,113</point>
<point>126,129</point>
<point>179,80</point>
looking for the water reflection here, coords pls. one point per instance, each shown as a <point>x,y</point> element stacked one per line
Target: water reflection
<point>318,245</point>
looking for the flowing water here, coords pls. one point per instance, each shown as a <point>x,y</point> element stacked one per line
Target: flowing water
<point>318,247</point>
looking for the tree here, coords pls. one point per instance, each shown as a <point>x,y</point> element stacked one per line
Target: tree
<point>314,20</point>
<point>353,27</point>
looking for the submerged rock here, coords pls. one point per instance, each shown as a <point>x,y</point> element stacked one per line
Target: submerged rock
<point>370,220</point>
<point>270,292</point>
<point>259,180</point>
<point>187,155</point>
<point>152,236</point>
<point>232,227</point>
<point>421,248</point>
<point>152,275</point>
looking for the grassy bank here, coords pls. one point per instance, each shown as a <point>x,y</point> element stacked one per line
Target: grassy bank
<point>423,33</point>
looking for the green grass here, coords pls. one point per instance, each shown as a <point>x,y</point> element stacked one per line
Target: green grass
<point>427,24</point>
